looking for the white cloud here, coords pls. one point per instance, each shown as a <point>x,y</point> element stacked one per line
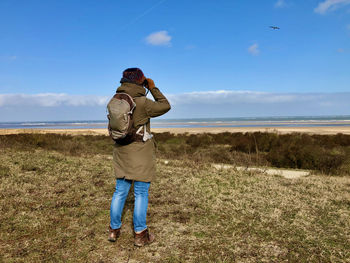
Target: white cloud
<point>161,38</point>
<point>254,49</point>
<point>348,26</point>
<point>226,103</point>
<point>199,97</point>
<point>232,97</point>
<point>280,4</point>
<point>330,5</point>
<point>51,100</point>
<point>340,50</point>
<point>205,104</point>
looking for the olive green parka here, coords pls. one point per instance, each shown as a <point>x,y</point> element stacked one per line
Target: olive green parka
<point>136,161</point>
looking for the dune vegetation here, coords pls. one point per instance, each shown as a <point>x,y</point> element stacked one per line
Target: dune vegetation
<point>55,194</point>
<point>326,154</point>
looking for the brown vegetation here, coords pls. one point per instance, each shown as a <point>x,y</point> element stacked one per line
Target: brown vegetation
<point>328,154</point>
<point>55,194</point>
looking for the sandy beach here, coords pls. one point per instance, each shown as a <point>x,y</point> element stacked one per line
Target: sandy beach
<point>282,130</point>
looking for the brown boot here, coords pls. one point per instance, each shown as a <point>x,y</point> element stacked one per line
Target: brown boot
<point>143,238</point>
<point>113,234</point>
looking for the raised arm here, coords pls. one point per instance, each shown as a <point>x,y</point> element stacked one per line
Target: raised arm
<point>160,105</point>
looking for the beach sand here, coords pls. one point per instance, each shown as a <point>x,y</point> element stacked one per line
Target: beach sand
<point>282,130</point>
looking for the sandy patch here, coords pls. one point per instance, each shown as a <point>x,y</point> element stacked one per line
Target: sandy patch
<point>281,130</point>
<point>289,174</point>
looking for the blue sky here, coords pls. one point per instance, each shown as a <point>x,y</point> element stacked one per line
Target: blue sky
<point>68,55</point>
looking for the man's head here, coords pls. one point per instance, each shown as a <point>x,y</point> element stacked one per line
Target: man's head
<point>134,75</point>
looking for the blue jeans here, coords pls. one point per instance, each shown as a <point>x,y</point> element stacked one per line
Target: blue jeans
<point>140,206</point>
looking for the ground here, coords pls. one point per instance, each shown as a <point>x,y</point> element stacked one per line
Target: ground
<point>55,208</point>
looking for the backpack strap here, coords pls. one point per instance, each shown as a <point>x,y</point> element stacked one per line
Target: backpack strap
<point>146,135</point>
<point>128,98</point>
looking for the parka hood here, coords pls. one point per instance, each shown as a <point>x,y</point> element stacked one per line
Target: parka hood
<point>134,90</point>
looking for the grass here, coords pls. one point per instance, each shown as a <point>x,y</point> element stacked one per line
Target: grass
<point>327,154</point>
<point>55,208</point>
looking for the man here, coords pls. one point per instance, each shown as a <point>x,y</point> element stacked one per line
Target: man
<point>134,158</point>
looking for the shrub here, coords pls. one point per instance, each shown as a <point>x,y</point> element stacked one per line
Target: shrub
<point>164,136</point>
<point>306,157</point>
<point>197,140</point>
<point>325,153</point>
<point>4,171</point>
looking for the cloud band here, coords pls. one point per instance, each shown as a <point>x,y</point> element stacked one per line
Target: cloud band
<point>220,103</point>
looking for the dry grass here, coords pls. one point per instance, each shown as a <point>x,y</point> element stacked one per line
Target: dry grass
<point>55,208</point>
<point>328,154</point>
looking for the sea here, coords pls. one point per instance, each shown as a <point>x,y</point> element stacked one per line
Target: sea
<point>289,121</point>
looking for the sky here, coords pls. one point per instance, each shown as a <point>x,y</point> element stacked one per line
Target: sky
<point>63,60</point>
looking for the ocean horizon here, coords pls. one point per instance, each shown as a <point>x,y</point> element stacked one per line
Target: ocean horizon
<point>273,121</point>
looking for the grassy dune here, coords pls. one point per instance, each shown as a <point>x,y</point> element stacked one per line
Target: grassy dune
<point>55,194</point>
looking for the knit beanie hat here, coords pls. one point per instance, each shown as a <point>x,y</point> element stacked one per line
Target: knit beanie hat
<point>133,75</point>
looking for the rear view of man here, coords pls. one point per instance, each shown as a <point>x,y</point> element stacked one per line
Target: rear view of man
<point>134,155</point>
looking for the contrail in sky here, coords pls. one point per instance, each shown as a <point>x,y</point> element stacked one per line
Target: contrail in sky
<point>142,15</point>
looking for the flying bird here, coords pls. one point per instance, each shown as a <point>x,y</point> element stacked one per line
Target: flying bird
<point>274,27</point>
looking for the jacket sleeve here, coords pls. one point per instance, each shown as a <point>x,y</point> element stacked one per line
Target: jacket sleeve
<point>159,106</point>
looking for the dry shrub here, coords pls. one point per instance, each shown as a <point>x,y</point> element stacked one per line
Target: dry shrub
<point>325,153</point>
<point>306,157</point>
<point>244,144</point>
<point>212,155</point>
<point>72,145</point>
<point>200,140</point>
<point>4,171</point>
<point>164,136</point>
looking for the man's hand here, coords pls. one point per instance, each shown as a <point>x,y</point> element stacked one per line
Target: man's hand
<point>151,84</point>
